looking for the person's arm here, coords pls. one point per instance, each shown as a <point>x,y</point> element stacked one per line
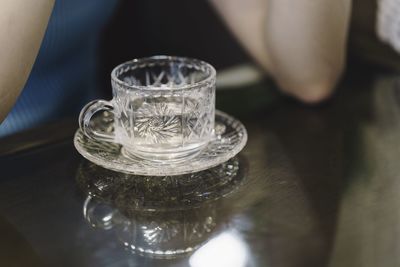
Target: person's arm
<point>22,27</point>
<point>301,43</point>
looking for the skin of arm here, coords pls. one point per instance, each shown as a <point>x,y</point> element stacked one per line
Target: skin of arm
<point>301,43</point>
<point>22,27</point>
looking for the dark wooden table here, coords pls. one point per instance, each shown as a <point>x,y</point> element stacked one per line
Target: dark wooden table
<point>316,187</point>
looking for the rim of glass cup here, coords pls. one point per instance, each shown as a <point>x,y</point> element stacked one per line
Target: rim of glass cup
<point>208,79</point>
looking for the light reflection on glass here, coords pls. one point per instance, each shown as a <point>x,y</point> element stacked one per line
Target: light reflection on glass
<point>226,249</point>
<point>97,214</point>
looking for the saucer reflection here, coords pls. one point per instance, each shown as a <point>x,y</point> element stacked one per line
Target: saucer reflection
<point>159,217</point>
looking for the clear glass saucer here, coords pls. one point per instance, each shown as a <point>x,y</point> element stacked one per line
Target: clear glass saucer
<point>230,138</point>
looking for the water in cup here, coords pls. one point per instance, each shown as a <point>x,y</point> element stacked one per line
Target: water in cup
<point>164,124</point>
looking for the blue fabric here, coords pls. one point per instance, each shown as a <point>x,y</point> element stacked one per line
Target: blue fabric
<point>63,76</point>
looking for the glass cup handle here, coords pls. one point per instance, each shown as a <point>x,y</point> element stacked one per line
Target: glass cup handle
<point>86,115</point>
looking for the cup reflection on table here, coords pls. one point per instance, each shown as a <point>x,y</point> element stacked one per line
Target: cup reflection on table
<point>165,234</point>
<point>159,217</point>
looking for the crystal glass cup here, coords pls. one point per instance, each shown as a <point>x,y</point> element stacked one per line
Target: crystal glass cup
<point>163,108</point>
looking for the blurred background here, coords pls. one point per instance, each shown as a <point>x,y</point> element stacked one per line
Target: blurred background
<point>177,27</point>
<point>194,29</point>
<point>153,27</point>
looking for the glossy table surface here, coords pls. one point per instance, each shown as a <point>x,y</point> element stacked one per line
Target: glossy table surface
<point>313,187</point>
